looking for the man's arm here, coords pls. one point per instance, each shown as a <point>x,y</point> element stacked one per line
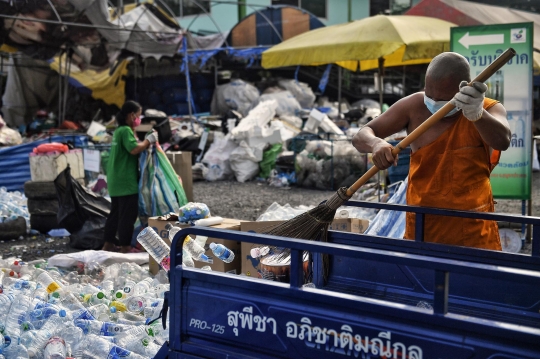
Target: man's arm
<point>370,138</point>
<point>492,124</point>
<point>494,128</point>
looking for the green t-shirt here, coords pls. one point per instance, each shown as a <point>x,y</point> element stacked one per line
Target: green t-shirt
<point>123,167</point>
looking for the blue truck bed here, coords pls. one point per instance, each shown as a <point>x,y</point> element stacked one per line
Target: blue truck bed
<point>485,304</point>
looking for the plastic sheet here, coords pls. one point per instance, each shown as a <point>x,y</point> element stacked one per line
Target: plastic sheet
<point>391,223</point>
<point>160,189</point>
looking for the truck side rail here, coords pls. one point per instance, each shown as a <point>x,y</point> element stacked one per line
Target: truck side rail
<point>218,315</point>
<point>422,211</point>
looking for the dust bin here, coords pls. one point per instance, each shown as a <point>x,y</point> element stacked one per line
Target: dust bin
<point>401,171</point>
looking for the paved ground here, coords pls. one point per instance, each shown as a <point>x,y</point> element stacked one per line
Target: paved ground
<point>233,200</point>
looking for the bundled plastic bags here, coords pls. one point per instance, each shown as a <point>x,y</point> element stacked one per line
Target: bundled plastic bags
<point>160,189</point>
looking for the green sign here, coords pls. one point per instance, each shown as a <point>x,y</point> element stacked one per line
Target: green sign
<point>512,86</point>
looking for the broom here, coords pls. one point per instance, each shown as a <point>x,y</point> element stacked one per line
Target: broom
<point>313,225</point>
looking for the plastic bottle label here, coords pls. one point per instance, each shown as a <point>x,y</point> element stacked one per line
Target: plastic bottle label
<point>166,263</point>
<point>52,287</point>
<point>225,255</point>
<point>117,352</point>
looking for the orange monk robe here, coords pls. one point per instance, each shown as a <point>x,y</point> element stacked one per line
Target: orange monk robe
<point>453,173</point>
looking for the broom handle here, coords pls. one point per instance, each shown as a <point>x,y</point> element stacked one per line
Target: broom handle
<point>433,119</point>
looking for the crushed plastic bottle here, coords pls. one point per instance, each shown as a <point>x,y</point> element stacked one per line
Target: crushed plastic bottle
<point>53,313</point>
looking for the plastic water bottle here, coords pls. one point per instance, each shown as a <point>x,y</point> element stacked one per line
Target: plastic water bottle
<point>201,240</point>
<point>20,305</point>
<point>172,231</point>
<point>156,247</point>
<point>136,304</point>
<point>222,252</point>
<point>187,261</point>
<point>97,327</point>
<point>5,305</point>
<point>143,286</point>
<point>51,326</point>
<point>95,347</point>
<point>47,282</point>
<point>100,311</point>
<point>55,349</point>
<point>153,310</point>
<point>195,250</point>
<point>129,286</point>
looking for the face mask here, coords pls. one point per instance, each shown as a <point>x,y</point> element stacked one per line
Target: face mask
<point>434,106</point>
<point>136,122</point>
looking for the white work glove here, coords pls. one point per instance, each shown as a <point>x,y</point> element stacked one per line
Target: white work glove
<point>152,137</point>
<point>470,100</point>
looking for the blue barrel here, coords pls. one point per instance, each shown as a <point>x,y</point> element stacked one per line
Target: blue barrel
<point>174,95</point>
<point>401,171</point>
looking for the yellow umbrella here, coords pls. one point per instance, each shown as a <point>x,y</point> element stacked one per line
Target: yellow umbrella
<point>365,44</point>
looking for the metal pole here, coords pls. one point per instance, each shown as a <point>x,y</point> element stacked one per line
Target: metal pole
<point>121,7</point>
<point>381,67</point>
<point>339,89</point>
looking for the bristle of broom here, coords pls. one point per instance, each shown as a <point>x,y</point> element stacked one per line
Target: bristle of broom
<point>312,225</point>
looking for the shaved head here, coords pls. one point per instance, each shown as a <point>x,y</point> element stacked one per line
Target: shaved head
<point>448,66</point>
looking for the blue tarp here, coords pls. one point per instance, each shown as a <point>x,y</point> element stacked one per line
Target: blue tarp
<point>15,162</point>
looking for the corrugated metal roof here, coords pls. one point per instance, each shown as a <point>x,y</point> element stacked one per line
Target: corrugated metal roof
<point>15,163</point>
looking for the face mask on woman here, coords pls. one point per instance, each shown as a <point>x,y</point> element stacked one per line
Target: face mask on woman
<point>136,122</point>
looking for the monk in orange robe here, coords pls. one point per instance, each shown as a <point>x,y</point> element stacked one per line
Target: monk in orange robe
<point>452,161</point>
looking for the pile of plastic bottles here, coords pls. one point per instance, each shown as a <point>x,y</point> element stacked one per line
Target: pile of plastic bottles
<point>12,205</point>
<point>91,311</point>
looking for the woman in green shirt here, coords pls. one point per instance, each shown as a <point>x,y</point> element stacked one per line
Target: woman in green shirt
<point>122,177</point>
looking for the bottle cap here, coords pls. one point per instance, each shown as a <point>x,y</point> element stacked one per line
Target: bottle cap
<point>113,309</point>
<point>62,313</point>
<point>118,295</point>
<point>212,245</point>
<point>56,295</point>
<point>100,295</point>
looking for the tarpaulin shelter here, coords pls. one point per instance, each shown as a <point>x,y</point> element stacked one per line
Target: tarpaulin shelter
<point>374,42</point>
<point>90,39</point>
<point>271,26</point>
<point>467,13</point>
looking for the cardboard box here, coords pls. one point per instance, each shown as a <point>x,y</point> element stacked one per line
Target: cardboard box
<point>249,264</point>
<point>354,225</point>
<point>218,265</point>
<point>181,162</point>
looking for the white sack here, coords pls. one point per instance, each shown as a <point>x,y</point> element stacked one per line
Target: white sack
<point>287,104</point>
<point>244,162</point>
<point>258,117</point>
<point>301,91</point>
<point>236,95</point>
<point>216,159</point>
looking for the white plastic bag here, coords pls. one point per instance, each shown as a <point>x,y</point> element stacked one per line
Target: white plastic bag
<point>256,120</point>
<point>236,95</point>
<point>301,91</point>
<point>286,102</point>
<point>244,162</point>
<point>216,159</point>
